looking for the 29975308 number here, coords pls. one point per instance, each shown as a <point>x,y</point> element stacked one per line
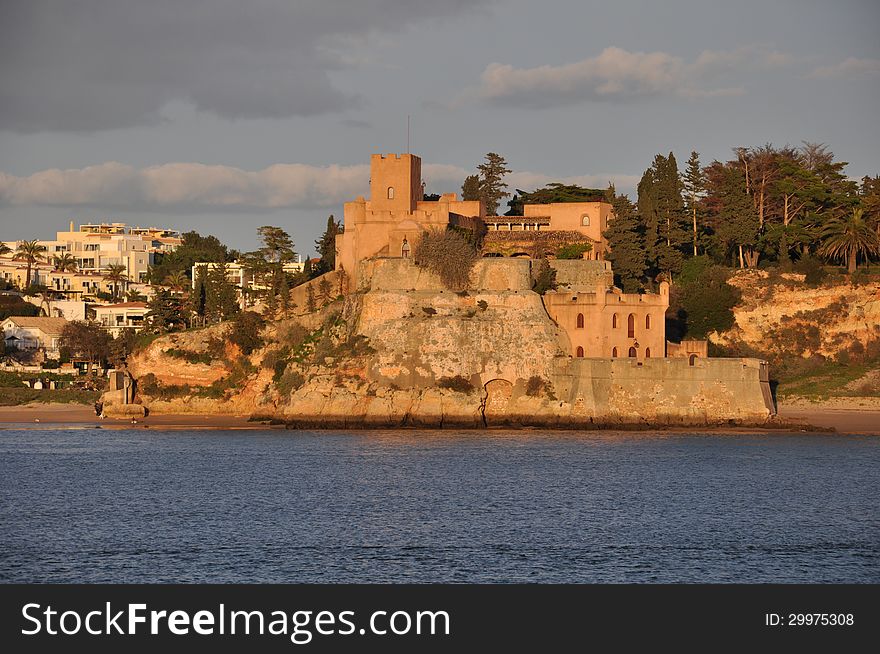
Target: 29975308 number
<point>809,619</point>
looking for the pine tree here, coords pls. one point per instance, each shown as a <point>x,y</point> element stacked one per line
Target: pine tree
<point>737,220</point>
<point>311,303</point>
<point>199,294</point>
<point>326,245</point>
<point>470,190</point>
<point>694,183</point>
<point>625,236</point>
<point>671,215</point>
<point>649,220</point>
<point>492,186</point>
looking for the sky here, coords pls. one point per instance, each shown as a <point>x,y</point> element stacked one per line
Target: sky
<point>222,116</point>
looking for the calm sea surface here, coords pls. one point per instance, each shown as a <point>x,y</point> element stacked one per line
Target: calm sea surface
<point>93,505</point>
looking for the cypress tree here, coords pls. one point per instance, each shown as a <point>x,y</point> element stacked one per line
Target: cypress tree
<point>625,236</point>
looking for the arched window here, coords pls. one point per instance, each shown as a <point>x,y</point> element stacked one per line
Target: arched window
<point>632,353</point>
<point>692,359</point>
<point>585,220</point>
<point>631,326</point>
<point>614,352</point>
<point>390,192</point>
<point>648,321</point>
<point>614,321</point>
<point>580,321</point>
<point>579,352</point>
<point>647,353</point>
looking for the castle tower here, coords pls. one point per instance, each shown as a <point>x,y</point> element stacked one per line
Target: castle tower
<point>395,182</point>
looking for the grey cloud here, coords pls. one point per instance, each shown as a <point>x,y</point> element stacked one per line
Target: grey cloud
<point>194,187</point>
<point>100,64</point>
<point>616,74</point>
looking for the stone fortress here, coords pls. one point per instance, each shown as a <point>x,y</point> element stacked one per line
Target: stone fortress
<point>604,351</point>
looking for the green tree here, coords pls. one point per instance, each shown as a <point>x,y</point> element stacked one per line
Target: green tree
<point>87,341</point>
<point>492,186</point>
<point>115,273</point>
<point>64,262</point>
<point>326,245</point>
<point>573,251</point>
<point>703,301</point>
<point>199,296</point>
<point>221,295</point>
<point>732,213</point>
<point>694,184</point>
<point>543,276</point>
<point>625,236</point>
<point>193,248</point>
<point>166,311</point>
<point>470,190</point>
<point>31,252</point>
<point>277,244</point>
<point>246,331</point>
<point>849,239</point>
<point>4,249</point>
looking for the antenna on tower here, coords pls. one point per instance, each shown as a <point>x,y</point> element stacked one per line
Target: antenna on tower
<point>407,133</point>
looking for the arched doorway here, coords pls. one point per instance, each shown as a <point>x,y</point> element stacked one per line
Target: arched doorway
<point>579,352</point>
<point>692,359</point>
<point>614,353</point>
<point>632,353</point>
<point>580,321</point>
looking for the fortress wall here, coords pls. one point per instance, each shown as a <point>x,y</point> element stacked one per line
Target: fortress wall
<point>581,274</point>
<point>404,275</point>
<point>666,390</point>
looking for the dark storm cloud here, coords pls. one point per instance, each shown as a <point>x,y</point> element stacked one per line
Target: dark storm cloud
<point>101,64</point>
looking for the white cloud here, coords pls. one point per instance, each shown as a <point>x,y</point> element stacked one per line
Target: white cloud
<point>617,74</point>
<point>848,67</point>
<point>187,186</point>
<point>194,187</point>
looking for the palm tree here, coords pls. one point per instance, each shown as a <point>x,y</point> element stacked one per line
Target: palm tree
<point>177,281</point>
<point>849,238</point>
<point>64,262</point>
<point>115,274</point>
<point>4,249</point>
<point>31,253</point>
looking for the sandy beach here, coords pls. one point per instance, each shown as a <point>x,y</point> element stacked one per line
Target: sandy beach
<point>799,417</point>
<point>53,415</point>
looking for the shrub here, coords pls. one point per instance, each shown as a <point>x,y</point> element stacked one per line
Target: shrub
<point>537,386</point>
<point>431,311</point>
<point>289,382</point>
<point>705,300</point>
<point>449,255</point>
<point>483,305</point>
<point>812,270</point>
<point>189,356</point>
<point>543,277</point>
<point>573,251</point>
<point>458,384</point>
<point>246,328</point>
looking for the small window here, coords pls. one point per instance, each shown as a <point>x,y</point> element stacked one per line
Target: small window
<point>580,321</point>
<point>390,192</point>
<point>631,326</point>
<point>648,321</point>
<point>632,353</point>
<point>579,352</point>
<point>614,321</point>
<point>614,352</point>
<point>647,353</point>
<point>585,220</point>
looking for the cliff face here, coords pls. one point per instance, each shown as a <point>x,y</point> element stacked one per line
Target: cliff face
<point>404,351</point>
<point>789,317</point>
